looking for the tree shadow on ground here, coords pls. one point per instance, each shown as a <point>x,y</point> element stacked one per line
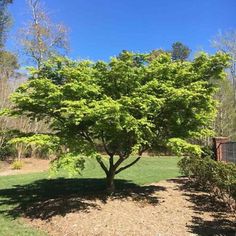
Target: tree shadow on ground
<point>223,222</point>
<point>45,198</point>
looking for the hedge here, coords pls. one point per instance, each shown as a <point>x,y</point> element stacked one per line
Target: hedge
<point>217,177</point>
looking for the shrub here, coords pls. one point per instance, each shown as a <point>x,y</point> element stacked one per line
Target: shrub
<point>218,177</point>
<point>17,165</point>
<point>5,151</point>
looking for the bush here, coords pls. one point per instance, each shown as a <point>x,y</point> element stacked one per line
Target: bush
<point>17,165</point>
<point>5,151</point>
<point>207,151</point>
<point>218,177</point>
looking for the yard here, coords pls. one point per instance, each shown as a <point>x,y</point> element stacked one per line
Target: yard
<point>150,200</point>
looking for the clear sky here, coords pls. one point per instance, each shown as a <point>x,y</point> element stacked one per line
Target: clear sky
<point>102,28</point>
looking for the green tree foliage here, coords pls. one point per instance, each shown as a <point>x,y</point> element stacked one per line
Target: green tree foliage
<point>157,53</point>
<point>37,142</point>
<point>127,104</point>
<point>180,51</point>
<point>181,147</point>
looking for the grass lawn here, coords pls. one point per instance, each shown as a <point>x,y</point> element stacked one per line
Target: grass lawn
<point>20,192</point>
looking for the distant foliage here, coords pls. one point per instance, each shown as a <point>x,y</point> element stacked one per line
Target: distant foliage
<point>48,143</point>
<point>225,124</point>
<point>180,51</point>
<point>5,21</point>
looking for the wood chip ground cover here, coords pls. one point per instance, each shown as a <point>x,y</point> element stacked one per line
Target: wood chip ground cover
<point>172,207</point>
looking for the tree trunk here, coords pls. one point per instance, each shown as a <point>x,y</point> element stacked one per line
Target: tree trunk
<point>110,181</point>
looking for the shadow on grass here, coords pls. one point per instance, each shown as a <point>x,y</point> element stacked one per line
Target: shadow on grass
<point>45,198</point>
<point>221,224</point>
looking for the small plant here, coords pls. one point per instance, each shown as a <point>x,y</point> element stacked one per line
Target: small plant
<point>17,165</point>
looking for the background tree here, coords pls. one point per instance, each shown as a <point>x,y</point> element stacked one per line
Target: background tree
<point>10,78</point>
<point>226,42</point>
<point>41,38</point>
<point>180,51</point>
<point>5,20</point>
<point>225,124</point>
<point>128,104</point>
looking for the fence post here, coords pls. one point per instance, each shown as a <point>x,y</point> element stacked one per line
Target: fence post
<point>217,147</point>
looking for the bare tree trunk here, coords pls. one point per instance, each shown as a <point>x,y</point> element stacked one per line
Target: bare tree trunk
<point>110,184</point>
<point>113,170</point>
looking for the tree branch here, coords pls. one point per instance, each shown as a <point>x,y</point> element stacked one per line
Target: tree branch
<point>105,146</point>
<point>120,160</point>
<point>87,137</point>
<point>102,165</point>
<point>127,166</point>
<point>111,160</point>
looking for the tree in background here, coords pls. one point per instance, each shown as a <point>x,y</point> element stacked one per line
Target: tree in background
<point>180,51</point>
<point>225,124</point>
<point>127,104</point>
<point>5,21</point>
<point>11,77</point>
<point>41,38</point>
<point>8,66</point>
<point>226,42</point>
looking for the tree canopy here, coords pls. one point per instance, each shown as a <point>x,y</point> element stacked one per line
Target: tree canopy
<point>127,105</point>
<point>180,51</point>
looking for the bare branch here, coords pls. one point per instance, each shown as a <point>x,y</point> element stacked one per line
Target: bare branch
<point>41,38</point>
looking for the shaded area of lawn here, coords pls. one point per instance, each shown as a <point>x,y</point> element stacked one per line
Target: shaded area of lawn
<point>46,198</point>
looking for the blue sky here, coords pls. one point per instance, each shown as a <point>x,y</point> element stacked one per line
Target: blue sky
<point>102,28</point>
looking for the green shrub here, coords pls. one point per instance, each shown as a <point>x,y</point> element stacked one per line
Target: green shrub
<point>17,165</point>
<point>218,177</point>
<point>5,151</point>
<point>207,151</point>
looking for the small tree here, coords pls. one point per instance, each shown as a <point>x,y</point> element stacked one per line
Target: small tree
<point>128,104</point>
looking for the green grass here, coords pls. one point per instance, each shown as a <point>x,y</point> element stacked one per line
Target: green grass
<point>34,191</point>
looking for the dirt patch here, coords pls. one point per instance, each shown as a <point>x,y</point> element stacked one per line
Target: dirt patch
<point>173,208</point>
<point>29,165</point>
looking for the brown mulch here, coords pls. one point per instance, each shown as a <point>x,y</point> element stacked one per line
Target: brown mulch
<point>173,209</point>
